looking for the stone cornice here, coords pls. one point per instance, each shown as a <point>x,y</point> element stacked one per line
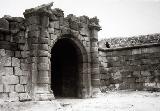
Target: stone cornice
<point>44,9</point>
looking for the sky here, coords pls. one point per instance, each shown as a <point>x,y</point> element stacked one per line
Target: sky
<point>118,18</point>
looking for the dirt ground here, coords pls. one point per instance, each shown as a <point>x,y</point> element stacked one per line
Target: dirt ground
<point>111,101</point>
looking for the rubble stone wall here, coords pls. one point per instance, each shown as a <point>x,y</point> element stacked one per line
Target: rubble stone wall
<point>135,68</point>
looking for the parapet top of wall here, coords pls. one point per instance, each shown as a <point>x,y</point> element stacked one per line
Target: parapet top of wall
<point>131,41</point>
<point>57,14</point>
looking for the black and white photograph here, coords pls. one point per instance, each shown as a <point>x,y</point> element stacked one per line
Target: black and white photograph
<point>80,55</point>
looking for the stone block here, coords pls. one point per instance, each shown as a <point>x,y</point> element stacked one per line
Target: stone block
<point>4,96</point>
<point>24,67</point>
<point>53,36</point>
<point>44,21</point>
<point>9,70</point>
<point>8,88</point>
<point>7,61</point>
<point>34,75</point>
<point>54,24</point>
<point>45,34</point>
<point>1,88</point>
<point>43,73</point>
<point>136,51</point>
<point>1,37</point>
<point>74,25</point>
<point>136,73</point>
<point>25,54</point>
<point>9,53</point>
<point>13,96</point>
<point>66,30</point>
<point>34,66</point>
<point>34,34</point>
<point>24,97</point>
<point>95,82</point>
<point>23,79</point>
<point>34,27</point>
<point>33,40</point>
<point>26,73</point>
<point>15,62</point>
<point>2,72</point>
<point>10,79</point>
<point>19,88</point>
<point>43,80</point>
<point>17,54</point>
<point>145,73</point>
<point>140,79</point>
<point>43,53</point>
<point>84,31</point>
<point>43,47</point>
<point>33,20</point>
<point>43,66</point>
<point>43,60</point>
<point>2,52</point>
<point>43,40</point>
<point>51,30</point>
<point>34,46</point>
<point>57,32</point>
<point>18,71</point>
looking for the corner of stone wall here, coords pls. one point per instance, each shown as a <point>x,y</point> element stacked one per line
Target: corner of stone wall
<point>14,71</point>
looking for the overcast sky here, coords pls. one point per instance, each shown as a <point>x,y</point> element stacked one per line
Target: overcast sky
<point>117,17</point>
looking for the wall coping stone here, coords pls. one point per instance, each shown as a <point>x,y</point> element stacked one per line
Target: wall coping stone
<point>127,48</point>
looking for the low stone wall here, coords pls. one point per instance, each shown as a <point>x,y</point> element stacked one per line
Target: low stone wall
<point>130,41</point>
<point>136,68</point>
<point>14,71</point>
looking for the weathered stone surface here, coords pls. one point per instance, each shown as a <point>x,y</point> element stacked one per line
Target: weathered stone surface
<point>43,60</point>
<point>43,53</point>
<point>43,47</point>
<point>43,66</point>
<point>10,79</point>
<point>9,70</point>
<point>33,20</point>
<point>34,34</point>
<point>54,24</point>
<point>4,24</point>
<point>51,30</point>
<point>19,88</point>
<point>23,79</point>
<point>25,54</point>
<point>1,88</point>
<point>24,97</point>
<point>15,62</point>
<point>9,88</point>
<point>7,61</point>
<point>4,96</point>
<point>18,71</point>
<point>13,96</point>
<point>24,66</point>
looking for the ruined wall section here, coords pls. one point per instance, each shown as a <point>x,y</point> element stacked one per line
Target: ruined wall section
<point>135,68</point>
<point>130,41</point>
<point>13,59</point>
<point>45,27</point>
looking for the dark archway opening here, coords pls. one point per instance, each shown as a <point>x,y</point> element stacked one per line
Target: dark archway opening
<point>64,69</point>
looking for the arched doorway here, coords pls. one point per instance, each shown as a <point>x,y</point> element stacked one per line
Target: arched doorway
<point>65,63</point>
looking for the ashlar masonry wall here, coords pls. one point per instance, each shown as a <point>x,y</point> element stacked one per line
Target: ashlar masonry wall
<point>133,67</point>
<point>26,49</point>
<point>14,71</point>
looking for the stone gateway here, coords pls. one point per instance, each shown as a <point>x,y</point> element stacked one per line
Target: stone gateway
<point>46,55</point>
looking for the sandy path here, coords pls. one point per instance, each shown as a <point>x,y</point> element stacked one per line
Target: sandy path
<point>112,101</point>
